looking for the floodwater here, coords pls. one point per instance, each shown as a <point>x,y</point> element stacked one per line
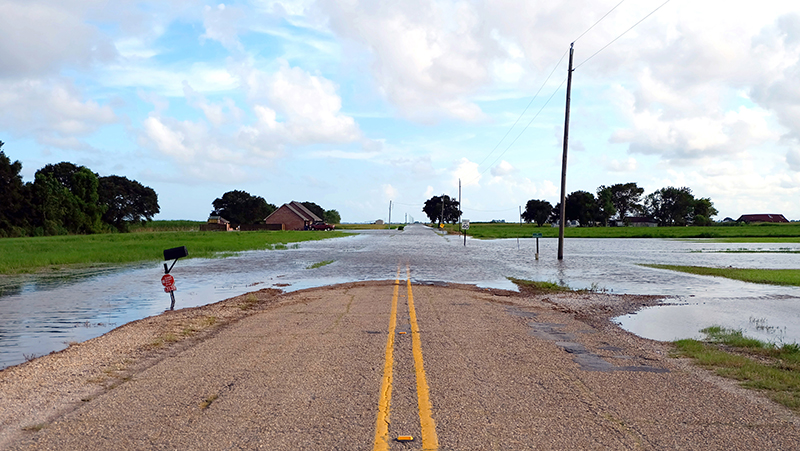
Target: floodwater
<point>40,314</point>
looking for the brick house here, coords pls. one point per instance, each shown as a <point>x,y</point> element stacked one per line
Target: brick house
<point>762,218</point>
<point>292,216</point>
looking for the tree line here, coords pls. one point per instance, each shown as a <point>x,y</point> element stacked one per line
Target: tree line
<point>668,206</point>
<point>68,199</point>
<point>240,207</point>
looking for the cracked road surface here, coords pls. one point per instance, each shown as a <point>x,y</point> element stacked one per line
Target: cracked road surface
<point>501,372</point>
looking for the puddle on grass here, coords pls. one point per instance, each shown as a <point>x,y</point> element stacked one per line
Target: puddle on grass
<point>40,314</point>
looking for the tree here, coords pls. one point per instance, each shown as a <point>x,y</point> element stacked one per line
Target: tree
<point>66,200</point>
<point>581,205</point>
<point>703,211</point>
<point>239,207</point>
<point>626,198</point>
<point>605,204</point>
<point>332,217</point>
<point>314,208</point>
<point>14,198</point>
<point>537,211</point>
<point>433,208</point>
<point>671,206</point>
<point>126,201</point>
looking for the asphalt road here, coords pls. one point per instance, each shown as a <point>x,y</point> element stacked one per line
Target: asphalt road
<point>455,368</point>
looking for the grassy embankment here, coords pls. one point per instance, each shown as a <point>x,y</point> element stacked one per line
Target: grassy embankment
<point>772,369</point>
<point>789,277</point>
<point>773,233</point>
<point>26,255</point>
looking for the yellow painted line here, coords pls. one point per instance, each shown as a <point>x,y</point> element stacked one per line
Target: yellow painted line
<point>430,441</point>
<point>381,442</point>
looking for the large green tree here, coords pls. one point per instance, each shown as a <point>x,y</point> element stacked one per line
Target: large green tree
<point>581,206</point>
<point>14,198</point>
<point>314,208</point>
<point>240,207</point>
<point>126,201</point>
<point>66,200</point>
<point>626,197</point>
<point>671,206</point>
<point>703,211</point>
<point>537,211</point>
<point>437,206</point>
<point>605,204</point>
<point>332,217</point>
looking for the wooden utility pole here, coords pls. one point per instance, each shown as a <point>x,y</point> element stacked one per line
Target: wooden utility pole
<point>441,219</point>
<point>563,212</point>
<point>390,212</point>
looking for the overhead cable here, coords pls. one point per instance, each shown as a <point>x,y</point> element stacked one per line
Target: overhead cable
<point>623,34</point>
<point>598,21</point>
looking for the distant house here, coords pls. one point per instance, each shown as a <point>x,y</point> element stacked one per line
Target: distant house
<point>636,221</point>
<point>379,222</point>
<point>292,216</point>
<point>762,218</point>
<point>216,223</point>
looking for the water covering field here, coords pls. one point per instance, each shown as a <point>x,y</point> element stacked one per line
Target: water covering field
<point>44,313</point>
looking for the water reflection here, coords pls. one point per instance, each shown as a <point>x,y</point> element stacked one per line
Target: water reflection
<point>39,314</point>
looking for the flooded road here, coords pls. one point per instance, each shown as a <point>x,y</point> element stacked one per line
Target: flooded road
<point>40,314</point>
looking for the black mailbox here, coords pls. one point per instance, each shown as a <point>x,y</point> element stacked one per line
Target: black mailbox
<point>176,253</point>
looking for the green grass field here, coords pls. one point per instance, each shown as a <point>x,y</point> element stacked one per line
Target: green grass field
<point>772,369</point>
<point>766,276</point>
<point>773,233</point>
<point>26,255</point>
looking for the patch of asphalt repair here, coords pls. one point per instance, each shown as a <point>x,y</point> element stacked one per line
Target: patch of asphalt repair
<point>587,360</point>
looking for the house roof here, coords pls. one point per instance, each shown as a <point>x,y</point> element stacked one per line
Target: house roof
<point>762,218</point>
<point>300,210</point>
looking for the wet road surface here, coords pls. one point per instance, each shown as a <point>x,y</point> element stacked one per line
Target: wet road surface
<point>42,314</point>
<point>452,368</point>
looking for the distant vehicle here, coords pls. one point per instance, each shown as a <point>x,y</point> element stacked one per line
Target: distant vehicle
<point>321,226</point>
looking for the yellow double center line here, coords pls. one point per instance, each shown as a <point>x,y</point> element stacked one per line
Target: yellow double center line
<point>430,441</point>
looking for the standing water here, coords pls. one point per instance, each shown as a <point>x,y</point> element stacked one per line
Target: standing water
<point>44,313</point>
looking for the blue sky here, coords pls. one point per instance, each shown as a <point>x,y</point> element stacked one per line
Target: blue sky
<point>351,104</point>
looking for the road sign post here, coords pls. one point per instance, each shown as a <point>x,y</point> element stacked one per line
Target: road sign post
<point>465,227</point>
<point>167,280</point>
<point>537,236</point>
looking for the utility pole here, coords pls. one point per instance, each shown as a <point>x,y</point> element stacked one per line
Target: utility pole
<point>459,200</point>
<point>520,215</point>
<point>563,212</point>
<point>441,218</point>
<point>390,212</point>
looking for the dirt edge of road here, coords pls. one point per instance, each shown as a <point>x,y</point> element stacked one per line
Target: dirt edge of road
<point>39,391</point>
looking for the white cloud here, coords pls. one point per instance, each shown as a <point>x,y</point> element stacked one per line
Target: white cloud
<point>503,168</point>
<point>52,112</point>
<point>389,192</point>
<point>428,57</point>
<point>222,24</point>
<point>467,172</point>
<point>40,37</point>
<point>628,165</point>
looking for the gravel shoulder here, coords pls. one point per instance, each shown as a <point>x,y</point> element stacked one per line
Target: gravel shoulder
<point>561,330</point>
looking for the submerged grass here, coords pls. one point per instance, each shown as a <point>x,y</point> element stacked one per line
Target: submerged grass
<point>768,367</point>
<point>538,287</point>
<point>756,233</point>
<point>789,277</point>
<point>319,264</point>
<point>26,255</point>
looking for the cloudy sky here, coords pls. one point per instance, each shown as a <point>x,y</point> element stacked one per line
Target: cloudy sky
<point>353,103</point>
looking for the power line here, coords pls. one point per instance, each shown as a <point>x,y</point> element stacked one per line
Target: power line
<point>623,34</point>
<point>598,21</point>
<point>523,111</point>
<point>537,94</point>
<point>524,128</point>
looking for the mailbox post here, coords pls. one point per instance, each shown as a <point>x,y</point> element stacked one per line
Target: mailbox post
<point>167,280</point>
